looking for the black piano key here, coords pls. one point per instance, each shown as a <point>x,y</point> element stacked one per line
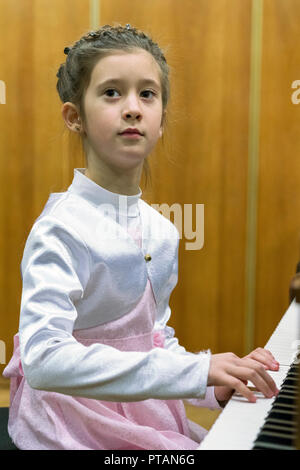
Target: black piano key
<point>294,369</point>
<point>279,429</point>
<point>281,405</point>
<point>279,413</point>
<point>292,375</point>
<point>275,438</point>
<point>271,446</point>
<point>290,388</point>
<point>291,381</point>
<point>287,393</point>
<point>280,424</point>
<point>281,420</point>
<point>284,399</point>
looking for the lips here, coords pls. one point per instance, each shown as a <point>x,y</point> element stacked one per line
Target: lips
<point>131,131</point>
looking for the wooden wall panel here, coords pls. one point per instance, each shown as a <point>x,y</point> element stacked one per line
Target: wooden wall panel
<point>34,149</point>
<point>279,178</point>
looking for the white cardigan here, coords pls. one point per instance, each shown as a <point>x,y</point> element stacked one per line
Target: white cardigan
<point>81,268</point>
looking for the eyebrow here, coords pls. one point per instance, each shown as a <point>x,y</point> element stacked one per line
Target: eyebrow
<point>143,81</point>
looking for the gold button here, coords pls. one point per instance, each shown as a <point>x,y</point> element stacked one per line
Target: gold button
<point>147,257</point>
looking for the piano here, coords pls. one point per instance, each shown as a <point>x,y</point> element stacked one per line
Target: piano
<point>270,423</point>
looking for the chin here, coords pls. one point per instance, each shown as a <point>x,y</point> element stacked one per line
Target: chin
<point>130,160</point>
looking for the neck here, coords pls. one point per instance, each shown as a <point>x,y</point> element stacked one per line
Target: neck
<point>120,182</point>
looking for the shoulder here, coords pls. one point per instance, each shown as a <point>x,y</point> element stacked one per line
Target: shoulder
<point>56,229</point>
<point>66,212</point>
<point>64,207</point>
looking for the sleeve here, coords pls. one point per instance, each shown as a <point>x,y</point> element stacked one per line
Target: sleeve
<point>171,343</point>
<point>55,271</point>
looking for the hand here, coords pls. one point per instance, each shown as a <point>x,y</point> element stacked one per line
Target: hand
<point>223,393</point>
<point>228,372</point>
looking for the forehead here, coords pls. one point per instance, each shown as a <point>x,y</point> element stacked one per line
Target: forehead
<point>138,64</point>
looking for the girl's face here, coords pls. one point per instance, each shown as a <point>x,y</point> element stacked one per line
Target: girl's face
<point>124,92</point>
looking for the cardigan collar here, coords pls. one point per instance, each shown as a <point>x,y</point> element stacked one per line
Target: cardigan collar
<point>119,203</point>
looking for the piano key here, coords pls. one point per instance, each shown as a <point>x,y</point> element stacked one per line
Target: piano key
<point>275,438</point>
<point>286,401</point>
<point>281,422</point>
<point>269,431</point>
<point>286,430</point>
<point>283,413</point>
<point>285,393</point>
<point>287,386</point>
<point>271,446</point>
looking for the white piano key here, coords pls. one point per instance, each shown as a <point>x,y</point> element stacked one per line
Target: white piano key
<point>239,425</point>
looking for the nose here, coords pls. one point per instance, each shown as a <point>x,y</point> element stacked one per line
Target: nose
<point>132,108</point>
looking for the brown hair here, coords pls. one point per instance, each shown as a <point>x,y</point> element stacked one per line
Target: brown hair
<point>74,75</point>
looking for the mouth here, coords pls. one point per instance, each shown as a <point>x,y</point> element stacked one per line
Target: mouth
<point>131,135</point>
<point>131,130</point>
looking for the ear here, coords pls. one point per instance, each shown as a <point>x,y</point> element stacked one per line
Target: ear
<point>71,117</point>
<point>161,130</point>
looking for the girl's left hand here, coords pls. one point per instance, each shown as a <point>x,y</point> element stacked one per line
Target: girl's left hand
<point>265,357</point>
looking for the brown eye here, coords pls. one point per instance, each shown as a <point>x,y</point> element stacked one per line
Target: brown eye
<point>150,91</point>
<point>110,90</point>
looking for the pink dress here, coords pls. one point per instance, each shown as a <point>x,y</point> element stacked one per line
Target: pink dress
<point>43,420</point>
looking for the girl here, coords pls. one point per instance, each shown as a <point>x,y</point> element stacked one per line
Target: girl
<point>95,365</point>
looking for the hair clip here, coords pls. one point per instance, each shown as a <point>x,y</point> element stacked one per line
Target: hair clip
<point>128,26</point>
<point>66,50</point>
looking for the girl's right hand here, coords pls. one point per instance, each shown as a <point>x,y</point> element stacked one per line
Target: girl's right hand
<point>230,370</point>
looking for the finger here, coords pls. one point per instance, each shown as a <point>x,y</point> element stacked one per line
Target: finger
<point>265,357</point>
<point>260,378</point>
<point>265,352</point>
<point>268,353</point>
<point>240,387</point>
<point>257,367</point>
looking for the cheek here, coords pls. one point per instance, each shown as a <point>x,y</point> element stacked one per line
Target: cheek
<point>156,123</point>
<point>101,122</point>
<point>155,128</point>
